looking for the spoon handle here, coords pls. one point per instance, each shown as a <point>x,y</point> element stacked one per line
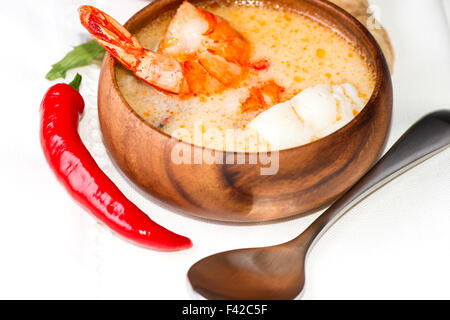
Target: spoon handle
<point>424,139</point>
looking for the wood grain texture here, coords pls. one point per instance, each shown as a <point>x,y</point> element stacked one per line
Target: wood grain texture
<point>309,176</point>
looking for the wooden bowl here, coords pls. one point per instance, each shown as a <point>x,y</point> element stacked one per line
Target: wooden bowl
<point>309,176</point>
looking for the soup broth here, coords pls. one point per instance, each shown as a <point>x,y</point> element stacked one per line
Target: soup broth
<point>302,53</point>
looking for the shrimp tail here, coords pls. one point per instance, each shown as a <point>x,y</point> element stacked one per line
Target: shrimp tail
<point>111,35</point>
<point>154,68</point>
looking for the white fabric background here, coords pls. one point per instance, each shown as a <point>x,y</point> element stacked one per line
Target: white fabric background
<point>395,244</point>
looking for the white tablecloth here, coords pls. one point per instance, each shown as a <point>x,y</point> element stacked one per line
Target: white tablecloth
<point>395,244</point>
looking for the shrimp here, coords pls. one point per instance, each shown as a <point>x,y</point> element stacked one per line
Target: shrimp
<point>262,97</point>
<point>154,68</point>
<point>200,53</point>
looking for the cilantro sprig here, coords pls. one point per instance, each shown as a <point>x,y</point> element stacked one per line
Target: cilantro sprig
<point>80,55</point>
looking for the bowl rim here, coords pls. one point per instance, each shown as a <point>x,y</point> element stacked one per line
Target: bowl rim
<point>379,67</point>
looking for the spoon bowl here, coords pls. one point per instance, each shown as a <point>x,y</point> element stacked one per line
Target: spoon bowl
<point>278,272</point>
<point>275,272</point>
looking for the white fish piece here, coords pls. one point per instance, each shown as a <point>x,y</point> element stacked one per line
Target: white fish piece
<point>281,127</point>
<point>344,106</point>
<point>316,107</point>
<point>313,113</point>
<point>329,130</point>
<point>352,93</point>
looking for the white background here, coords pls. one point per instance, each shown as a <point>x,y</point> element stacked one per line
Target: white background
<point>395,244</point>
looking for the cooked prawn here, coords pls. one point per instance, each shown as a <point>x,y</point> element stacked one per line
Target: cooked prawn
<point>262,97</point>
<point>200,53</point>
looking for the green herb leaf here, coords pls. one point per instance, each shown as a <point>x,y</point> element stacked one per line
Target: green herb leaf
<point>80,56</point>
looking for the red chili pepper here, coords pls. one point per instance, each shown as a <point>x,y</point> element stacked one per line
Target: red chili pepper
<point>77,171</point>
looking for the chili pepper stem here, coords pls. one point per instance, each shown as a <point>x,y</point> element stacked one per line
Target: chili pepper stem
<point>75,83</point>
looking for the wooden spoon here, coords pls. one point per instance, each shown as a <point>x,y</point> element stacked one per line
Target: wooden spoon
<point>278,272</point>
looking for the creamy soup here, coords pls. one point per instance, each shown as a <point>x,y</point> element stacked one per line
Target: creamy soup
<point>301,54</point>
